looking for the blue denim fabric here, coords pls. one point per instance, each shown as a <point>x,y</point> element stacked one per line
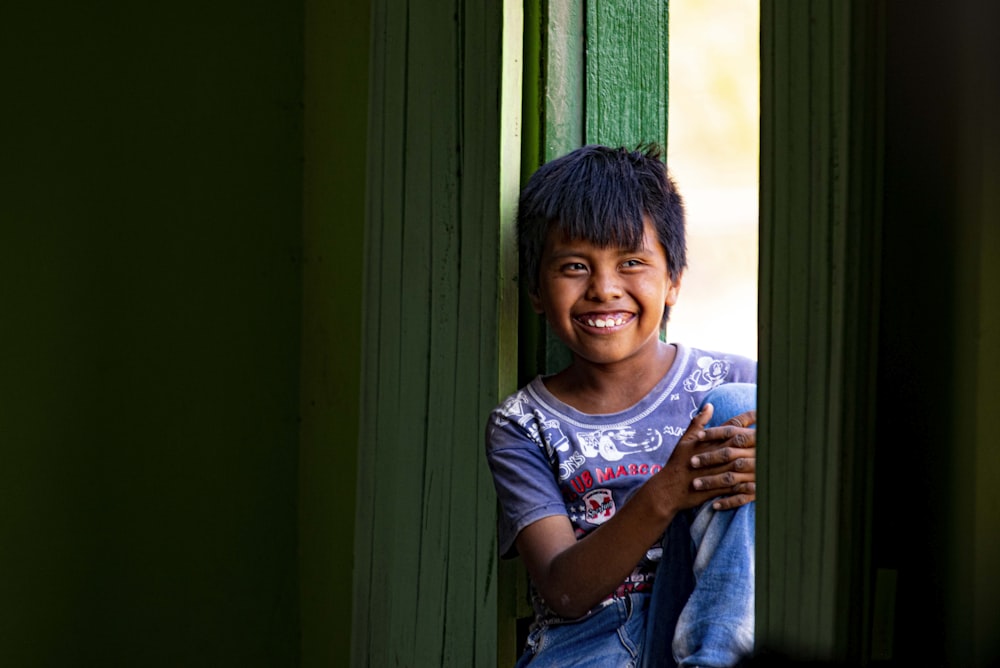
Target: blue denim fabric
<point>609,638</point>
<point>702,610</point>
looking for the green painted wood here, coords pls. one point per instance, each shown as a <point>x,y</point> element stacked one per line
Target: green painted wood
<point>626,72</point>
<point>820,213</point>
<point>439,329</point>
<point>564,128</point>
<point>564,70</point>
<point>519,49</point>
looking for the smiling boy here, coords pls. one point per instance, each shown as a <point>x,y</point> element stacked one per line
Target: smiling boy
<point>596,464</point>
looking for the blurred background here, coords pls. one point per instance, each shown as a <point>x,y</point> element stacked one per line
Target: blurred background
<point>713,147</point>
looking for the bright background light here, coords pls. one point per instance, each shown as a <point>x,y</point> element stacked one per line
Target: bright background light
<point>712,152</point>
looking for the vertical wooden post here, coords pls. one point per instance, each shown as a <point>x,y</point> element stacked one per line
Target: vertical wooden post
<point>627,77</point>
<point>439,341</point>
<point>820,213</point>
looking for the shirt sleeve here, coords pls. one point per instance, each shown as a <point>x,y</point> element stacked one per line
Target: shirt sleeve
<point>525,482</point>
<point>746,370</point>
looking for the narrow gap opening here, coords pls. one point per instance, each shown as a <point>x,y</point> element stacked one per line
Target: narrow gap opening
<point>713,147</point>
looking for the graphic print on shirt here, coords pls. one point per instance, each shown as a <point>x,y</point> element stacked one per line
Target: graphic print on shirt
<point>708,376</point>
<point>614,444</point>
<point>545,432</point>
<point>599,506</point>
<point>513,409</point>
<point>711,373</point>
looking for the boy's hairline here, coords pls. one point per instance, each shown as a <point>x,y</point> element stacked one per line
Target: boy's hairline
<point>533,244</point>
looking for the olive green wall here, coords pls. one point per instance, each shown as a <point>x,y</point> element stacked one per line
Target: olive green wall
<point>336,119</point>
<point>878,523</point>
<point>937,515</point>
<point>151,266</point>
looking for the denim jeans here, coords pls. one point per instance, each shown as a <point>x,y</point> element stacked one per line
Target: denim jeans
<point>612,636</point>
<point>701,609</point>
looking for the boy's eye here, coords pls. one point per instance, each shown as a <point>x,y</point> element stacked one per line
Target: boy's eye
<point>632,263</point>
<point>574,266</point>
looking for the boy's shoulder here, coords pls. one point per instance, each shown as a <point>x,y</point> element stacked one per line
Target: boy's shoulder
<point>699,352</point>
<point>701,369</point>
<point>518,405</point>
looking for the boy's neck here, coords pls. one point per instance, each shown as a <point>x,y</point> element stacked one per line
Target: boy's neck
<point>610,388</point>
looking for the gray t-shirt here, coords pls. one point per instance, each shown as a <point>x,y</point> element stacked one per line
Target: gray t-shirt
<point>548,458</point>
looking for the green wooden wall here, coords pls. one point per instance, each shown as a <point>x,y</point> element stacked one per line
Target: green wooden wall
<point>820,214</point>
<point>434,330</point>
<point>937,519</point>
<point>150,264</point>
<point>879,306</point>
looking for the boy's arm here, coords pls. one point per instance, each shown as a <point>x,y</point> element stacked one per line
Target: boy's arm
<point>575,575</point>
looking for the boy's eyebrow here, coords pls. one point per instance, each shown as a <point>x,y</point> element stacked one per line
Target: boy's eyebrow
<point>578,252</point>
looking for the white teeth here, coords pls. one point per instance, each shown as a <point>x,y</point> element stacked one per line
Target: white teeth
<point>609,321</point>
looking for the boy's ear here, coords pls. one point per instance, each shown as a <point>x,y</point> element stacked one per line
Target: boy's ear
<point>536,302</point>
<point>673,289</point>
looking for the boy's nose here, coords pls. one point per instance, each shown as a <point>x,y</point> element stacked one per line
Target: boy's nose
<point>604,286</point>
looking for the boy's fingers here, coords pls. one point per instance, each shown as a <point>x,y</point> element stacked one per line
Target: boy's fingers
<point>740,437</point>
<point>734,501</point>
<point>747,419</point>
<point>742,459</point>
<point>696,430</point>
<point>730,481</point>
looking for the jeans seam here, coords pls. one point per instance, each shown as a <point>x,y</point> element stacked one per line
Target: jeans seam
<point>623,636</point>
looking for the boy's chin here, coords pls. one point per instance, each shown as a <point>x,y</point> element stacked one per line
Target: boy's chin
<point>599,357</point>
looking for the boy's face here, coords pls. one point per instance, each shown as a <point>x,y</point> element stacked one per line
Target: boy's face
<point>606,304</point>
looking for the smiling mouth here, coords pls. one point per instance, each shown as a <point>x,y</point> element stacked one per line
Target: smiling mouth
<point>604,320</point>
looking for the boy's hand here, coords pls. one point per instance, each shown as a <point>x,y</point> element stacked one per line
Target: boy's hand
<point>733,446</point>
<point>714,462</point>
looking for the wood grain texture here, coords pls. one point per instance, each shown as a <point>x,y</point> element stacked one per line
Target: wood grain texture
<point>425,589</point>
<point>820,213</point>
<point>626,72</point>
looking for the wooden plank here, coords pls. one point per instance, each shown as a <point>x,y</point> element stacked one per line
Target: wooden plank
<point>426,589</point>
<point>403,406</point>
<point>434,74</point>
<point>374,602</point>
<point>626,81</point>
<point>564,61</point>
<point>503,591</point>
<point>818,114</point>
<point>767,553</point>
<point>385,106</point>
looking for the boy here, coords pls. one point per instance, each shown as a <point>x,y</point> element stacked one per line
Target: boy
<point>596,464</point>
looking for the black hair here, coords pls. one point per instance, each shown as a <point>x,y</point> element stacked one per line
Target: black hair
<point>601,195</point>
